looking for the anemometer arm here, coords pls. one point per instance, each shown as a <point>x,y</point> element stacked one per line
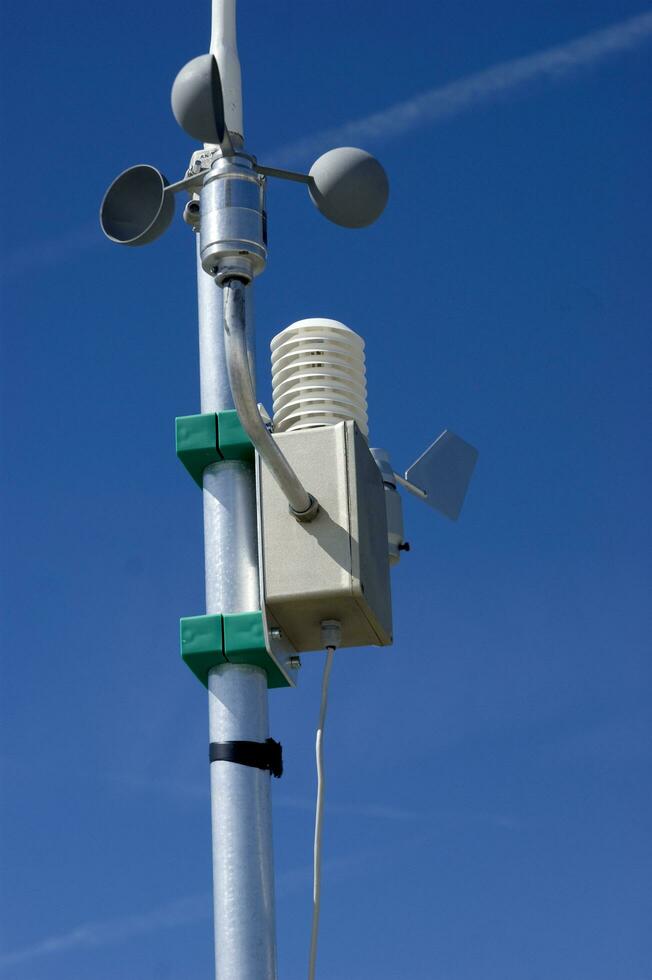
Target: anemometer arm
<point>195,181</point>
<point>303,505</point>
<point>187,184</point>
<point>284,174</point>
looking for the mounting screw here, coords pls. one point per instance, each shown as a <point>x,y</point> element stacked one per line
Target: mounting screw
<point>191,214</point>
<point>404,546</point>
<point>275,633</point>
<point>294,663</point>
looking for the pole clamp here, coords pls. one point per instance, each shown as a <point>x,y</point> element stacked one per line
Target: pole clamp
<point>266,755</point>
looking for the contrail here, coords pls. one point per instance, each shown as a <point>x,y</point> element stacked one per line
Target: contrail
<point>193,908</point>
<point>93,934</point>
<point>550,65</point>
<point>52,251</point>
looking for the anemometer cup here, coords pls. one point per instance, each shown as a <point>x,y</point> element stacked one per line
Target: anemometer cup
<point>349,186</point>
<point>197,100</point>
<point>137,208</point>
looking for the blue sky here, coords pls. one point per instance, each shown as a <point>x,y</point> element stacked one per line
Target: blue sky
<point>488,805</point>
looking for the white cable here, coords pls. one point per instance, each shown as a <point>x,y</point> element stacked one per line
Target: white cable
<point>319,755</point>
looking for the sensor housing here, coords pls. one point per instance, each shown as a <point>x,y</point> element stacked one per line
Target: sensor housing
<point>335,567</point>
<point>233,225</point>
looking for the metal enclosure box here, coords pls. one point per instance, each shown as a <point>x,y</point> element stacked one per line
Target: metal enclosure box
<point>336,566</point>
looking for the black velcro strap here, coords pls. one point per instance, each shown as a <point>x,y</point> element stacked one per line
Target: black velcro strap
<point>261,755</point>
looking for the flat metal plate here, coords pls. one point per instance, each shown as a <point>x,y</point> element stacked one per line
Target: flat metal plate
<point>278,646</point>
<point>444,472</point>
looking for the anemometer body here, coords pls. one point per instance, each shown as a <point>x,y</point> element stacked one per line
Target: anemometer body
<point>232,220</point>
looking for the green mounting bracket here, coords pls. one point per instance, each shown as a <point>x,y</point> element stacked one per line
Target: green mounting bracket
<point>244,643</point>
<point>236,638</point>
<point>202,644</point>
<point>211,438</point>
<point>232,440</point>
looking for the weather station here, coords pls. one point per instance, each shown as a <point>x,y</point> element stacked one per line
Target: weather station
<point>302,518</point>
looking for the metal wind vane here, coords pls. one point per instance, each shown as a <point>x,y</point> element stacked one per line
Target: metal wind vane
<point>302,519</point>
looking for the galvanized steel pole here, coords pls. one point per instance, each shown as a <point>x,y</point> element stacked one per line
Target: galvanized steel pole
<point>241,818</point>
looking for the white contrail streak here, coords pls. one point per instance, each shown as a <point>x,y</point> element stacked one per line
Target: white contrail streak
<point>93,934</point>
<point>193,908</point>
<point>445,101</point>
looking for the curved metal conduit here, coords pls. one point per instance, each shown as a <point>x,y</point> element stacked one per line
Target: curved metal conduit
<point>303,505</point>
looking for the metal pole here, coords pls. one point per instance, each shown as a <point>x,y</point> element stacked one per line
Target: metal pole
<point>241,817</point>
<point>225,48</point>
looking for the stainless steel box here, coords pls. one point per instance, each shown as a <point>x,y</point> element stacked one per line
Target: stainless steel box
<point>336,566</point>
